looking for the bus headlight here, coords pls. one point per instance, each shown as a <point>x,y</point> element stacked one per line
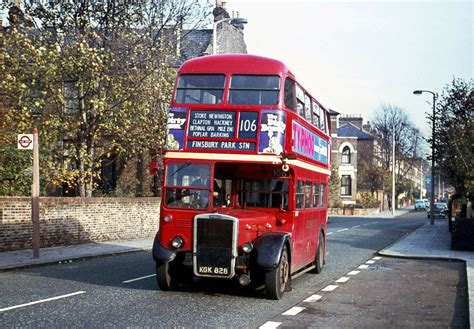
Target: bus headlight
<point>247,247</point>
<point>167,218</point>
<point>177,242</point>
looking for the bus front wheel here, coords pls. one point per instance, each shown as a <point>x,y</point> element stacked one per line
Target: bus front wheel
<point>166,276</point>
<point>277,279</point>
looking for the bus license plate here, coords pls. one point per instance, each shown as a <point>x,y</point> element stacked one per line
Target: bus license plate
<point>212,270</point>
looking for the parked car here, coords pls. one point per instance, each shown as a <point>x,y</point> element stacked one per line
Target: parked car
<point>420,204</point>
<point>427,202</point>
<point>440,210</point>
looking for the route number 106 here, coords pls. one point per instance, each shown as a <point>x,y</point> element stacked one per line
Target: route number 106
<point>248,125</point>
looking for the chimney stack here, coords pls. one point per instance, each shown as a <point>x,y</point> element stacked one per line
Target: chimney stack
<point>221,4</point>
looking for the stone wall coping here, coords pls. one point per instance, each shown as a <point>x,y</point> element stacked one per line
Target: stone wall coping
<point>78,200</point>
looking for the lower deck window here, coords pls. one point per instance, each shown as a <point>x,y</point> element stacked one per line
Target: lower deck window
<point>299,194</point>
<point>263,193</point>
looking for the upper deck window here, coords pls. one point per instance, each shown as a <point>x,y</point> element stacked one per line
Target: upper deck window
<point>300,100</point>
<point>307,107</point>
<point>200,88</point>
<point>290,94</point>
<point>316,115</point>
<point>254,89</point>
<point>323,121</point>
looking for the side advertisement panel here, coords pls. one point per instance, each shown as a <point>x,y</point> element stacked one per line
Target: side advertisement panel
<point>309,144</point>
<point>176,126</point>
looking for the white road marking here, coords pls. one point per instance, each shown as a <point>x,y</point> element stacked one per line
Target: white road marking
<point>331,287</point>
<point>370,262</point>
<point>294,310</point>
<point>269,325</point>
<point>140,278</point>
<point>329,233</point>
<point>355,226</point>
<point>374,222</point>
<point>363,267</point>
<point>344,229</point>
<point>41,301</point>
<point>342,279</point>
<point>366,224</point>
<point>353,273</point>
<point>377,258</point>
<point>313,298</point>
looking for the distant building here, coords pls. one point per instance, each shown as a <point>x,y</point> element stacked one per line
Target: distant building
<point>195,43</point>
<point>352,145</point>
<point>348,137</point>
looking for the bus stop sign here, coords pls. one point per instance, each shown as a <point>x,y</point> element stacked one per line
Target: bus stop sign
<point>25,141</point>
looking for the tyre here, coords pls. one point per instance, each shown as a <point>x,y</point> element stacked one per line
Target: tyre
<point>167,276</point>
<point>319,260</point>
<point>277,279</point>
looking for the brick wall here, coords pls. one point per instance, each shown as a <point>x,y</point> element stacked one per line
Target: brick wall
<point>65,221</point>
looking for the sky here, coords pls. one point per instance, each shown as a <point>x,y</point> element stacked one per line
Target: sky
<point>354,56</point>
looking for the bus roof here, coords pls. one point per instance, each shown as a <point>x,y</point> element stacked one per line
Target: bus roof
<point>241,63</point>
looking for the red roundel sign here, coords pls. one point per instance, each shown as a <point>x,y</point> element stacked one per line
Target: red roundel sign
<point>25,141</point>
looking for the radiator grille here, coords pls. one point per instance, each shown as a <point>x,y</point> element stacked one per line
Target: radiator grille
<point>215,239</point>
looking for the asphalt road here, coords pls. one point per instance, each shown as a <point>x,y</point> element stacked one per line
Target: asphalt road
<point>99,292</point>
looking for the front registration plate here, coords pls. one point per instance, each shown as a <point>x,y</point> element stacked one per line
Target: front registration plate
<point>212,270</point>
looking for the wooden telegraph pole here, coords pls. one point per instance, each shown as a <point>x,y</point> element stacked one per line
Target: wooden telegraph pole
<point>35,196</point>
<point>30,142</point>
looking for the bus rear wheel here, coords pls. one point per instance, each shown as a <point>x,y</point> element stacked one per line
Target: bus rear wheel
<point>277,279</point>
<point>319,259</point>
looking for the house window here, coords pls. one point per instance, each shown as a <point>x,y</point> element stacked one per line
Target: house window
<point>346,185</point>
<point>346,155</point>
<point>71,98</point>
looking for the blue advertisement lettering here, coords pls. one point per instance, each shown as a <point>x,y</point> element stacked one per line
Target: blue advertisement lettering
<point>272,132</point>
<point>176,127</point>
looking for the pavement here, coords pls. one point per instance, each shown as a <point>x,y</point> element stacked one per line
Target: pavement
<point>426,242</point>
<point>434,242</point>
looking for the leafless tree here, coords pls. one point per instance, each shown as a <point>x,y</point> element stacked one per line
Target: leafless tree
<point>392,124</point>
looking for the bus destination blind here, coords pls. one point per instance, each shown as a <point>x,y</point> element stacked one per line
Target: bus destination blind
<point>218,125</point>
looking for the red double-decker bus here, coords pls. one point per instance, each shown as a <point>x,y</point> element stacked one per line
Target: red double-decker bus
<point>247,166</point>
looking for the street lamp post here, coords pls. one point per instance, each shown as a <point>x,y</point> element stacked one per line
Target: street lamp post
<point>419,92</point>
<point>393,171</point>
<point>421,180</point>
<point>238,20</point>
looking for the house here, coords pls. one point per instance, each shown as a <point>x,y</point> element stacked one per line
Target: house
<point>349,136</point>
<point>357,155</point>
<point>187,44</point>
<point>199,42</point>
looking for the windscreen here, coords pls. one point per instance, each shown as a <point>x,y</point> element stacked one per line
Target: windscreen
<point>187,185</point>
